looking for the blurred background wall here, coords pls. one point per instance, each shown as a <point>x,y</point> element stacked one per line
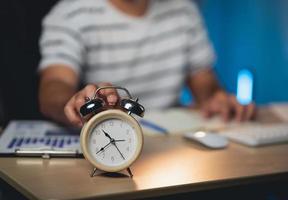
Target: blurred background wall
<point>251,34</point>
<point>246,34</point>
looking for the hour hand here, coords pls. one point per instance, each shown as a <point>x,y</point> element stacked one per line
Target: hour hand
<point>107,135</point>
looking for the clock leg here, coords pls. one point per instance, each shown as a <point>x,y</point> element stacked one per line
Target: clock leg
<point>129,172</point>
<point>93,172</point>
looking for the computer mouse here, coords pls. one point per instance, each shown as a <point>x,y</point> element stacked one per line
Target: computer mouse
<point>208,139</point>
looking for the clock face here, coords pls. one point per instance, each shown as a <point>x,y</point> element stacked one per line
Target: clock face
<point>113,142</point>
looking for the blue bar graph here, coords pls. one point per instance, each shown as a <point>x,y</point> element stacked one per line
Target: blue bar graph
<point>61,143</point>
<point>69,141</point>
<point>46,141</point>
<point>34,141</point>
<point>12,143</point>
<point>19,142</point>
<point>38,135</point>
<point>27,140</point>
<point>54,142</point>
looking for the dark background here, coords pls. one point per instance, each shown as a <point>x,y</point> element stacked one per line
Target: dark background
<point>19,56</point>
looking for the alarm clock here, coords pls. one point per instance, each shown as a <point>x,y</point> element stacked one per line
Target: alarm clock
<point>112,139</point>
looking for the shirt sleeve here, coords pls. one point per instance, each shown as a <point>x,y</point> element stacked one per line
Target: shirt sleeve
<point>200,51</point>
<point>60,41</point>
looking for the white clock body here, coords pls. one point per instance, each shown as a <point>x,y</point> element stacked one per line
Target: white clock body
<point>111,140</point>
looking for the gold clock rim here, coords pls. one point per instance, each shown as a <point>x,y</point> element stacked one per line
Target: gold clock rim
<point>108,114</point>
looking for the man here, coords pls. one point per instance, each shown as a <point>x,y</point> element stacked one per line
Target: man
<point>150,47</point>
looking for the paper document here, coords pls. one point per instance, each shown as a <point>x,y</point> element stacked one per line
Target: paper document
<point>178,120</point>
<point>38,135</point>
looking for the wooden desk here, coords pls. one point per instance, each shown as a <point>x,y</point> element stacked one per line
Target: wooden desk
<point>167,165</point>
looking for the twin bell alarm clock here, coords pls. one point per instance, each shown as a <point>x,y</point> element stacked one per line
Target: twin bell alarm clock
<point>111,139</point>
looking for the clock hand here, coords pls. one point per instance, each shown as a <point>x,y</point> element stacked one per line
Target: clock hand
<point>107,135</point>
<point>103,148</point>
<point>112,140</point>
<point>118,150</point>
<point>119,140</point>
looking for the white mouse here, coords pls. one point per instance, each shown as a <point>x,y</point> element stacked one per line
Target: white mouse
<point>211,140</point>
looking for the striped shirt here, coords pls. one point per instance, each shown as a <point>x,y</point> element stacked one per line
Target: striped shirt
<point>151,55</point>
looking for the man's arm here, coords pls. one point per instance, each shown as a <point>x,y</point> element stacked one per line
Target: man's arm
<point>59,98</point>
<point>58,83</point>
<point>203,85</point>
<point>212,99</point>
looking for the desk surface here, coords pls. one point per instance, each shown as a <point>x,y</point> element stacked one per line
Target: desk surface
<point>167,165</point>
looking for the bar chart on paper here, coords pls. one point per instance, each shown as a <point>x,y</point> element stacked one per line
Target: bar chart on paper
<point>38,134</point>
<point>54,142</point>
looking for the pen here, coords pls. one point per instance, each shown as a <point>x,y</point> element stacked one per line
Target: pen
<point>153,126</point>
<point>46,153</point>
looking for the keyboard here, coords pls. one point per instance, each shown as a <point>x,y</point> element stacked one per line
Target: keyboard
<point>257,135</point>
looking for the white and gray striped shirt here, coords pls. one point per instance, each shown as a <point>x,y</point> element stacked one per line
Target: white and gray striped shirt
<point>150,55</point>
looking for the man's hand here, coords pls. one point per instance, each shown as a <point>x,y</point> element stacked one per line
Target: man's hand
<point>214,101</point>
<point>58,85</point>
<point>227,107</point>
<point>73,106</point>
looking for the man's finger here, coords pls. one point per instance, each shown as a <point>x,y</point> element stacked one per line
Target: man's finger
<point>72,108</point>
<point>240,112</point>
<point>79,101</point>
<point>238,109</point>
<point>110,94</point>
<point>72,114</point>
<point>89,91</point>
<point>250,111</point>
<point>211,108</point>
<point>206,112</point>
<point>225,111</point>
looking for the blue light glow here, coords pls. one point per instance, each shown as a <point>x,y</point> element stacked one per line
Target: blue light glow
<point>245,87</point>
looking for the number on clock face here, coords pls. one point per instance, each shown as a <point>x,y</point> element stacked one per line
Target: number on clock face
<point>113,142</point>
